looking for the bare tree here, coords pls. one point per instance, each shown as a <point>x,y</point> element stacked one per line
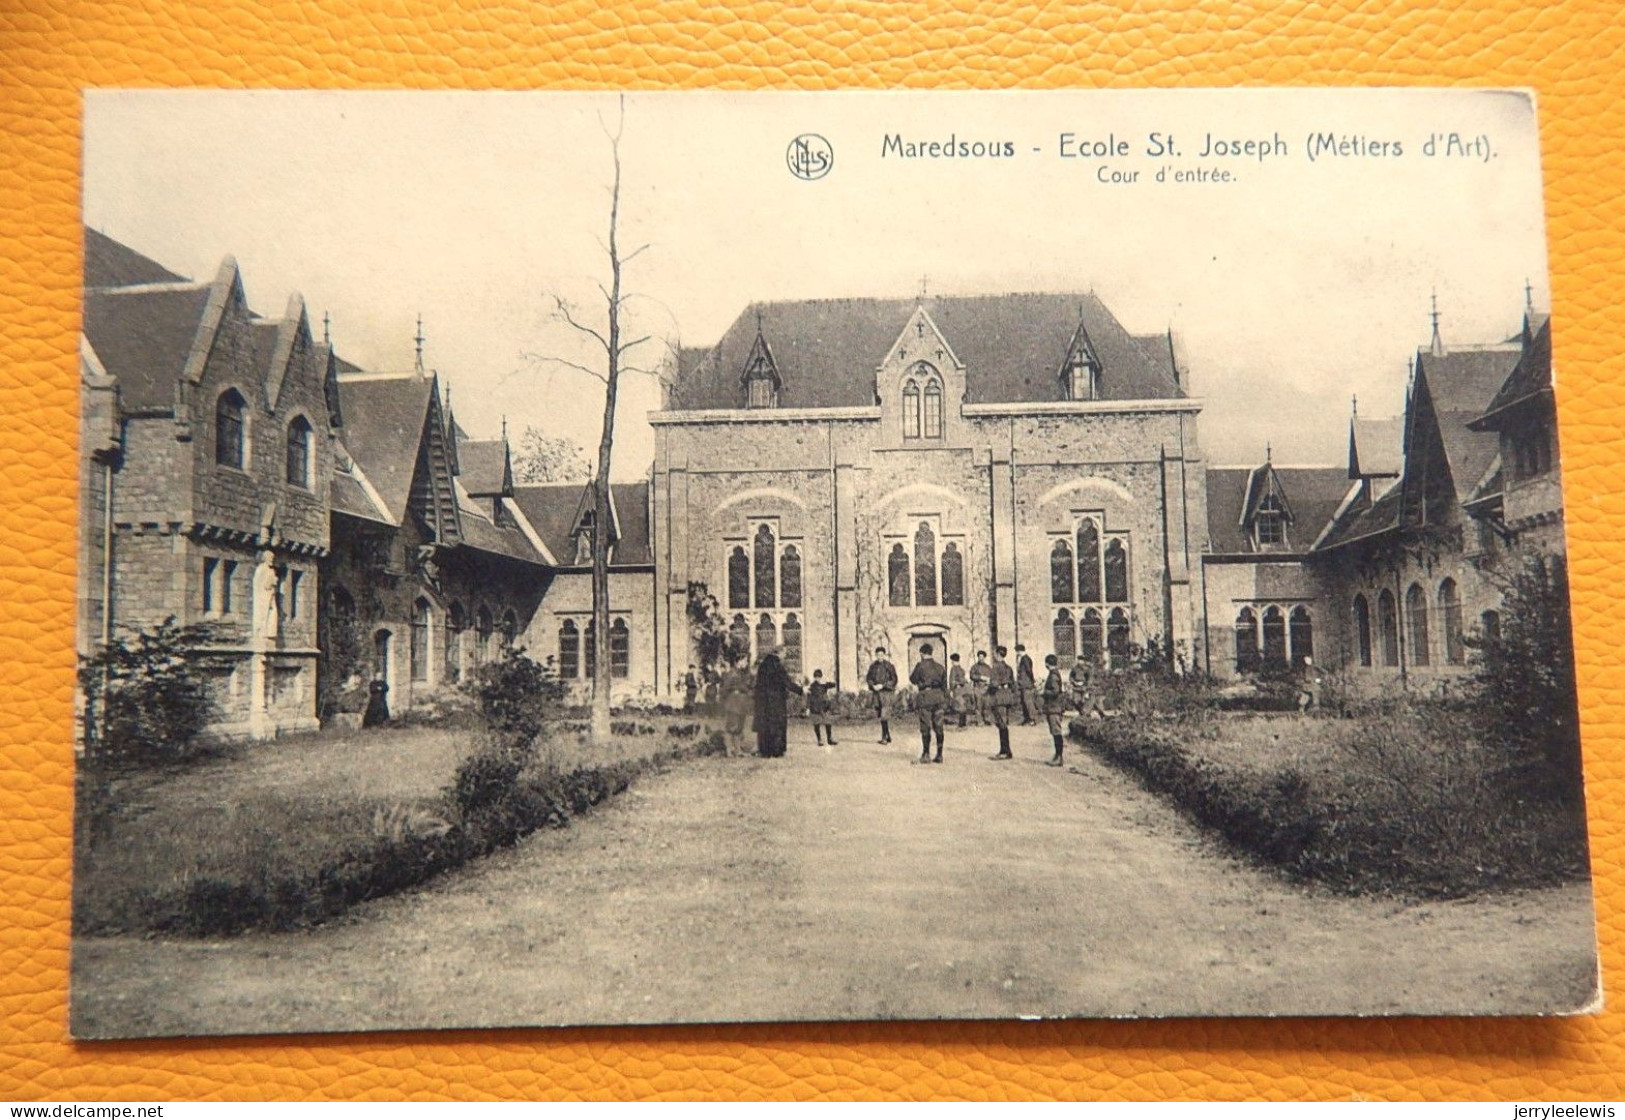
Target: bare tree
<point>610,342</point>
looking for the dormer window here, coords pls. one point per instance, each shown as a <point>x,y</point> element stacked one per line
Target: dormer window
<point>1080,381</point>
<point>584,540</point>
<point>763,393</point>
<point>922,404</point>
<point>1271,523</point>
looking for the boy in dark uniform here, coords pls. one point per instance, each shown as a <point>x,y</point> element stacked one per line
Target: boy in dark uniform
<point>958,688</point>
<point>882,681</point>
<point>931,679</point>
<point>979,674</point>
<point>1026,685</point>
<point>1001,697</point>
<point>1054,701</point>
<point>818,705</point>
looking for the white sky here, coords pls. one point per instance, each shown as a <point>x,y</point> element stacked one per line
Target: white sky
<point>1289,290</point>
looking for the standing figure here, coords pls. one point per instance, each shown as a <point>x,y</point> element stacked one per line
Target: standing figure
<point>1001,697</point>
<point>958,688</point>
<point>1078,678</point>
<point>737,687</point>
<point>713,687</point>
<point>377,713</point>
<point>979,674</point>
<point>1027,686</point>
<point>773,688</point>
<point>691,690</point>
<point>1054,700</point>
<point>1309,690</point>
<point>931,679</point>
<point>818,706</point>
<point>882,681</point>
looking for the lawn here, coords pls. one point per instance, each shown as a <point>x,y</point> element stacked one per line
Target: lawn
<point>1403,800</point>
<point>283,834</point>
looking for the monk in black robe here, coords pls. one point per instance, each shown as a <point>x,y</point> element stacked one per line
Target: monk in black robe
<point>773,687</point>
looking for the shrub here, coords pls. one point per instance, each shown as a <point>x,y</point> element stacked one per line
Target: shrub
<point>714,644</point>
<point>517,696</point>
<point>1524,682</point>
<point>145,695</point>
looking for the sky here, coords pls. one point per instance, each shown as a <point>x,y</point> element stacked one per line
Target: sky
<point>1291,288</point>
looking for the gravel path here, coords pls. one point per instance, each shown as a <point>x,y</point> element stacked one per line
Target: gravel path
<point>852,884</point>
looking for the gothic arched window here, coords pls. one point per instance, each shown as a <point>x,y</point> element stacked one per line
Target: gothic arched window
<point>589,649</point>
<point>456,623</point>
<point>1066,638</point>
<point>509,630</point>
<point>1455,650</point>
<point>299,471</point>
<point>1116,572</point>
<point>767,635</point>
<point>739,638</point>
<point>420,640</point>
<point>1302,629</point>
<point>1274,637</point>
<point>229,422</point>
<point>482,635</point>
<point>738,578</point>
<point>1362,629</point>
<point>897,576</point>
<point>792,645</point>
<point>911,410</point>
<point>1246,640</point>
<point>1117,638</point>
<point>765,562</point>
<point>933,409</point>
<point>569,650</point>
<point>1088,562</point>
<point>1092,637</point>
<point>925,566</point>
<point>1388,627</point>
<point>953,576</point>
<point>620,649</point>
<point>790,577</point>
<point>1061,571</point>
<point>1416,615</point>
<point>1490,623</point>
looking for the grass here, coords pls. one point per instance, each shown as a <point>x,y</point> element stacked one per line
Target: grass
<point>1403,800</point>
<point>292,833</point>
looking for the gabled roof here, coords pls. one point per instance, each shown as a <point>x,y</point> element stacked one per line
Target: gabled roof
<point>1460,384</point>
<point>1310,497</point>
<point>1013,347</point>
<point>1358,521</point>
<point>1529,378</point>
<point>484,467</point>
<point>384,416</point>
<point>1376,446</point>
<point>481,531</point>
<point>112,264</point>
<point>554,510</point>
<point>144,338</point>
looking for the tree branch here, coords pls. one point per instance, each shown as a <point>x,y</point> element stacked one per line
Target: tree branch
<point>568,317</point>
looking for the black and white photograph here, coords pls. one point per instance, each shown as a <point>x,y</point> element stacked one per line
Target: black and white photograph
<point>656,558</point>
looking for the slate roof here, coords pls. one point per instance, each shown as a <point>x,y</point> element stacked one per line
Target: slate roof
<point>111,264</point>
<point>1380,516</point>
<point>553,508</point>
<point>347,495</point>
<point>383,422</point>
<point>483,466</point>
<point>826,351</point>
<point>481,532</point>
<point>1461,384</point>
<point>1531,376</point>
<point>1378,444</point>
<point>1311,494</point>
<point>143,338</point>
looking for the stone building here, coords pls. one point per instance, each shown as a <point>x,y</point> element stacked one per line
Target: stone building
<point>1384,567</point>
<point>960,471</point>
<point>208,435</point>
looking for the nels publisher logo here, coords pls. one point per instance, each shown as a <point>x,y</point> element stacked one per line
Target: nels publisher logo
<point>809,156</point>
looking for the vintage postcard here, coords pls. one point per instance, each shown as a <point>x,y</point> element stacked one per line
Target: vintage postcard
<point>667,558</point>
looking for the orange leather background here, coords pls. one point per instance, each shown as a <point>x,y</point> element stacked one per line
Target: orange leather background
<point>1572,53</point>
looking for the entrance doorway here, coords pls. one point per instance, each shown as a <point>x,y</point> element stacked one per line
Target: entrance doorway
<point>936,639</point>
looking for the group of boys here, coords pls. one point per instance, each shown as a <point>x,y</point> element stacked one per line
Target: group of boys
<point>988,689</point>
